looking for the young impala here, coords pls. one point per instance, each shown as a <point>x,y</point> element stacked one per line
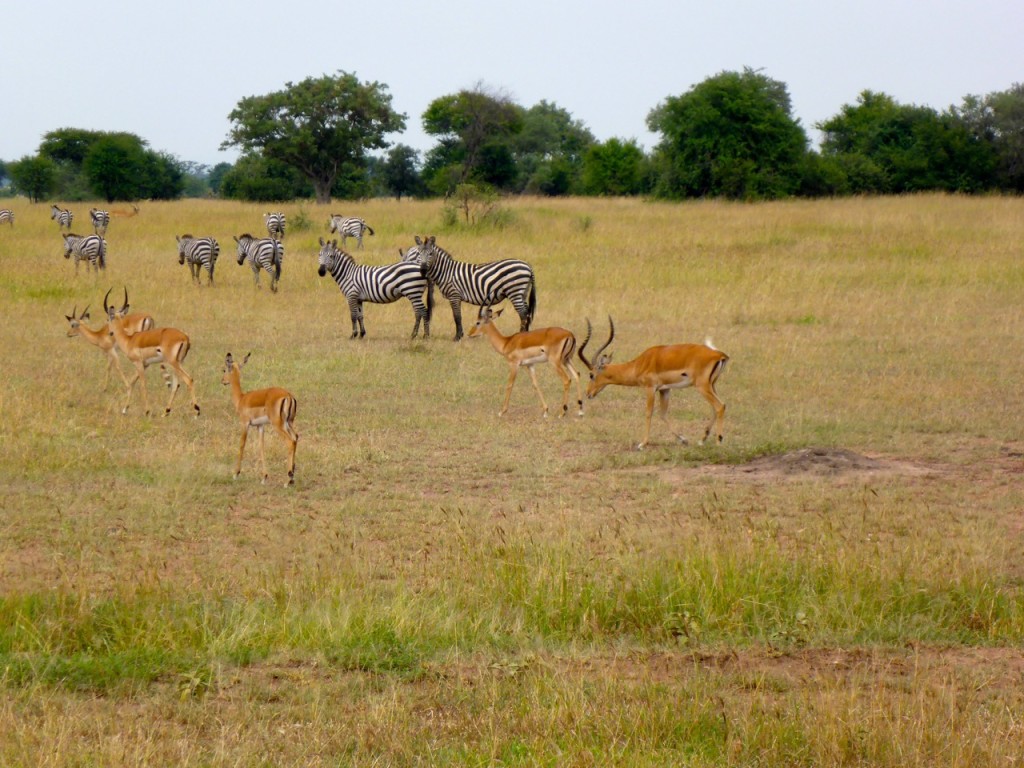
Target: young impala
<point>660,370</point>
<point>527,349</point>
<point>102,339</point>
<point>258,408</point>
<point>157,345</point>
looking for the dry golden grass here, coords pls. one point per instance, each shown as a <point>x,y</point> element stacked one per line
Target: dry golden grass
<point>442,587</point>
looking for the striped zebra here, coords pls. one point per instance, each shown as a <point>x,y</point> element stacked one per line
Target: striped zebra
<point>482,284</point>
<point>275,225</point>
<point>378,285</point>
<point>100,220</point>
<point>92,249</point>
<point>200,253</point>
<point>349,226</point>
<point>62,216</point>
<point>7,216</point>
<point>262,253</point>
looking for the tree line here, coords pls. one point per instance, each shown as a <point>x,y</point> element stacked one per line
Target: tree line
<point>731,136</point>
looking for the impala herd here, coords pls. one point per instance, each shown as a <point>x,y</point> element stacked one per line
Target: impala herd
<point>657,370</point>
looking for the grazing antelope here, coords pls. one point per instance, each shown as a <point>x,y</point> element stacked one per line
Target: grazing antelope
<point>257,409</point>
<point>121,213</point>
<point>660,370</point>
<point>102,340</point>
<point>157,345</point>
<point>527,349</point>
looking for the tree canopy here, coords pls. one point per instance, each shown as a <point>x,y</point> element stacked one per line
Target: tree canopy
<point>317,126</point>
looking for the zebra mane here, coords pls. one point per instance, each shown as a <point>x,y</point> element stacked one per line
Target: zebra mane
<point>189,234</point>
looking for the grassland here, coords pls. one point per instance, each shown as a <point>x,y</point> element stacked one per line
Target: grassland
<point>839,583</point>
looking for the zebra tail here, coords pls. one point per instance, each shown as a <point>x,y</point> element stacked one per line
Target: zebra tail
<point>369,229</point>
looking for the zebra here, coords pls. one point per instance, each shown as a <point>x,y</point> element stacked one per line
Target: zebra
<point>481,284</point>
<point>199,252</point>
<point>263,253</point>
<point>349,226</point>
<point>92,249</point>
<point>378,285</point>
<point>62,216</point>
<point>275,225</point>
<point>7,216</point>
<point>100,220</point>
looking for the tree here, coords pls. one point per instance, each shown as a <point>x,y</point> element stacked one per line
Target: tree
<point>1007,108</point>
<point>68,145</point>
<point>316,126</point>
<point>615,167</point>
<point>399,172</point>
<point>115,165</point>
<point>733,135</point>
<point>33,176</point>
<point>549,150</point>
<point>257,178</point>
<point>475,130</point>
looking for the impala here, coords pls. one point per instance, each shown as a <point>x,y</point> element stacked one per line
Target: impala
<point>527,349</point>
<point>257,409</point>
<point>157,345</point>
<point>101,338</point>
<point>660,370</point>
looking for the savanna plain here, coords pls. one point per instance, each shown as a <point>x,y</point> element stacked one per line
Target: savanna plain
<point>840,582</point>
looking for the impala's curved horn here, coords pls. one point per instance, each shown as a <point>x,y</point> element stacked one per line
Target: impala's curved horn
<point>106,307</point>
<point>611,336</point>
<point>124,307</point>
<point>85,312</point>
<point>583,346</point>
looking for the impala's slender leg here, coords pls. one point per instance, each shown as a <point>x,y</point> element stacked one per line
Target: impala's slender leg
<point>536,386</point>
<point>647,423</point>
<point>708,390</point>
<point>564,370</point>
<point>288,432</point>
<point>140,371</point>
<point>513,370</point>
<point>263,456</point>
<point>663,412</point>
<point>241,450</point>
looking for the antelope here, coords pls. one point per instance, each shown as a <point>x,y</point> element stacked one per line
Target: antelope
<point>258,408</point>
<point>102,340</point>
<point>527,349</point>
<point>660,370</point>
<point>121,213</point>
<point>157,345</point>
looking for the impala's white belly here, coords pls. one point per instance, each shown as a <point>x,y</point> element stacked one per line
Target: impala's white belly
<point>683,382</point>
<point>540,357</point>
<point>259,421</point>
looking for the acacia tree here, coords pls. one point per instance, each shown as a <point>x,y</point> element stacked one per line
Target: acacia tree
<point>33,176</point>
<point>318,126</point>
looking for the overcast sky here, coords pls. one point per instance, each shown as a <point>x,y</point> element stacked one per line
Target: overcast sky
<point>170,72</point>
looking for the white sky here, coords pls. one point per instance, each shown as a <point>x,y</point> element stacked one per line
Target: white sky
<point>171,71</point>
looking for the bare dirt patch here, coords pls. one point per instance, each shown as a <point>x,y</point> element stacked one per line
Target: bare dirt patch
<point>831,463</point>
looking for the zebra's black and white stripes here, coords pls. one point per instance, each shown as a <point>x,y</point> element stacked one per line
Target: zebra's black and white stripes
<point>275,225</point>
<point>378,285</point>
<point>62,216</point>
<point>92,249</point>
<point>200,253</point>
<point>264,253</point>
<point>349,226</point>
<point>481,284</point>
<point>100,220</point>
<point>6,216</point>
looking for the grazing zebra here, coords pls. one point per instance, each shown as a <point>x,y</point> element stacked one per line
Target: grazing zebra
<point>62,216</point>
<point>481,284</point>
<point>7,216</point>
<point>378,285</point>
<point>100,220</point>
<point>349,226</point>
<point>275,225</point>
<point>200,253</point>
<point>263,253</point>
<point>92,249</point>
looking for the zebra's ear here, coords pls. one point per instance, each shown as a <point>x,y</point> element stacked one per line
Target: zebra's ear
<point>418,241</point>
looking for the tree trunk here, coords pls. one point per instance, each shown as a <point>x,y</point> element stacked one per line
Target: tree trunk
<point>322,188</point>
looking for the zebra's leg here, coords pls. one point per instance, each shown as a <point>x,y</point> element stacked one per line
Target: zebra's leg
<point>210,270</point>
<point>362,328</point>
<point>273,281</point>
<point>523,312</point>
<point>457,316</point>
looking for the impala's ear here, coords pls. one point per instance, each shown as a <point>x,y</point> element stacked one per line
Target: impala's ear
<point>498,313</point>
<point>246,359</point>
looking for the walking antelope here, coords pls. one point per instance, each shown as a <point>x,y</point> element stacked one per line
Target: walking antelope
<point>121,213</point>
<point>7,216</point>
<point>102,340</point>
<point>264,253</point>
<point>92,249</point>
<point>258,408</point>
<point>378,285</point>
<point>157,345</point>
<point>527,349</point>
<point>482,284</point>
<point>349,226</point>
<point>200,253</point>
<point>275,225</point>
<point>100,220</point>
<point>660,370</point>
<point>62,216</point>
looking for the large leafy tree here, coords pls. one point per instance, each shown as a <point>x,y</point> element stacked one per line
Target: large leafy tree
<point>999,119</point>
<point>475,130</point>
<point>549,150</point>
<point>615,167</point>
<point>33,176</point>
<point>318,126</point>
<point>733,135</point>
<point>399,171</point>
